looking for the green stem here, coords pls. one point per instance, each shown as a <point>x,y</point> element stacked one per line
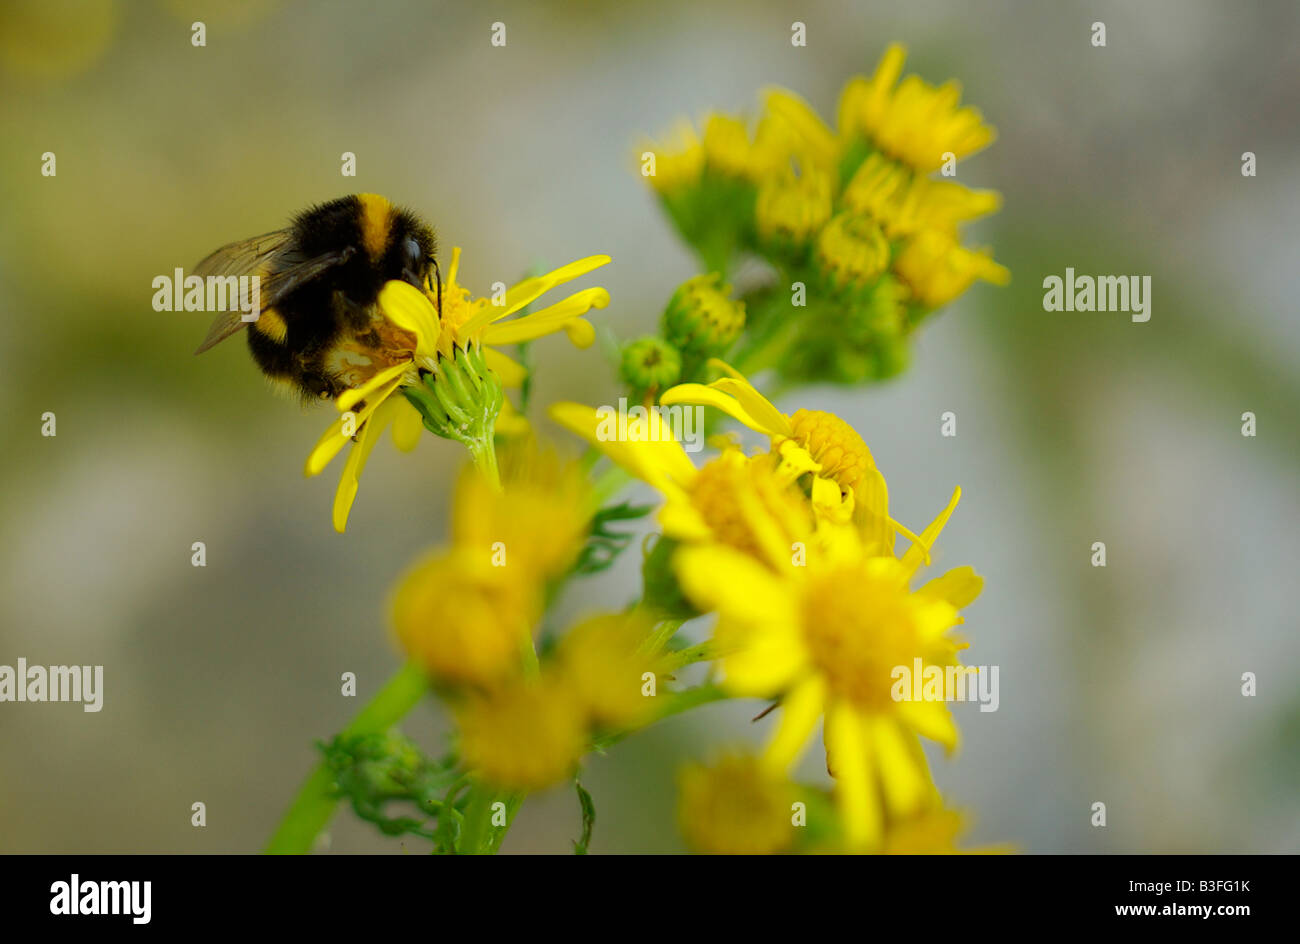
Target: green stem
<point>484,453</point>
<point>479,836</point>
<point>314,805</point>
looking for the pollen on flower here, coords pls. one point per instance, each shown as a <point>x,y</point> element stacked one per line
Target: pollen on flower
<point>835,445</point>
<point>740,499</point>
<point>858,627</point>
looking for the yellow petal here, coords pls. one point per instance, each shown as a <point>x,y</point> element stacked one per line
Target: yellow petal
<point>510,422</point>
<point>848,760</point>
<point>721,578</point>
<point>872,512</point>
<point>330,444</point>
<point>959,587</point>
<point>920,551</point>
<point>662,463</point>
<point>529,289</point>
<point>351,478</point>
<point>546,321</point>
<point>699,395</point>
<point>682,521</point>
<point>509,371</point>
<point>817,140</point>
<point>407,307</point>
<point>829,503</point>
<point>759,661</point>
<point>901,765</point>
<point>801,709</point>
<point>350,398</point>
<point>581,333</point>
<point>930,719</point>
<point>407,425</point>
<point>772,420</point>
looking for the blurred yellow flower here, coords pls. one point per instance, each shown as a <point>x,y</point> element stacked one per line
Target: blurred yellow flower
<point>727,148</point>
<point>467,614</point>
<point>603,663</point>
<point>464,621</point>
<point>534,524</point>
<point>932,832</point>
<point>526,734</point>
<point>736,806</point>
<point>852,250</point>
<point>936,268</point>
<point>792,207</point>
<point>915,122</point>
<point>677,162</point>
<point>905,202</point>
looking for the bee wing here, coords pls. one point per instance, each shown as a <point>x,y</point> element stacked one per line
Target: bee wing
<point>280,267</point>
<point>245,257</point>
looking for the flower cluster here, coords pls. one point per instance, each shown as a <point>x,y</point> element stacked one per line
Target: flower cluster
<point>860,224</point>
<point>777,568</point>
<point>794,549</point>
<point>470,615</point>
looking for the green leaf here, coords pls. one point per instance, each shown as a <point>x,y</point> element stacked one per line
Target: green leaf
<point>387,780</point>
<point>604,542</point>
<point>588,819</point>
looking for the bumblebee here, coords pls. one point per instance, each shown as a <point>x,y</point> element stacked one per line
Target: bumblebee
<point>320,330</point>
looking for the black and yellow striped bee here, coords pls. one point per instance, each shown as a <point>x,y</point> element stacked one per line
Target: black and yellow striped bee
<point>320,330</point>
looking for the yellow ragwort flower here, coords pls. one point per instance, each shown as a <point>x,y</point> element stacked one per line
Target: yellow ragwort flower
<point>932,832</point>
<point>845,481</point>
<point>467,614</point>
<point>603,662</point>
<point>526,734</point>
<point>534,524</point>
<point>852,250</point>
<point>463,620</point>
<point>740,502</point>
<point>791,208</point>
<point>791,136</point>
<point>736,806</point>
<point>936,268</point>
<point>825,638</point>
<point>727,147</point>
<point>677,163</point>
<point>455,342</point>
<point>905,202</point>
<point>915,122</point>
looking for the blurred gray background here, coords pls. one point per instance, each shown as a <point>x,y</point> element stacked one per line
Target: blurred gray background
<point>1119,685</point>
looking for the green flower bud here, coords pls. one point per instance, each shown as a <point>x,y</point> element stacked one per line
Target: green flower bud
<point>791,209</point>
<point>851,252</point>
<point>701,319</point>
<point>650,363</point>
<point>876,313</point>
<point>461,400</point>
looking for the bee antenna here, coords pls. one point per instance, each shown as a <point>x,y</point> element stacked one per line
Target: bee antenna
<point>437,275</point>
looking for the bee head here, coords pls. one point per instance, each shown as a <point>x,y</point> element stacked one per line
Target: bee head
<point>412,254</point>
